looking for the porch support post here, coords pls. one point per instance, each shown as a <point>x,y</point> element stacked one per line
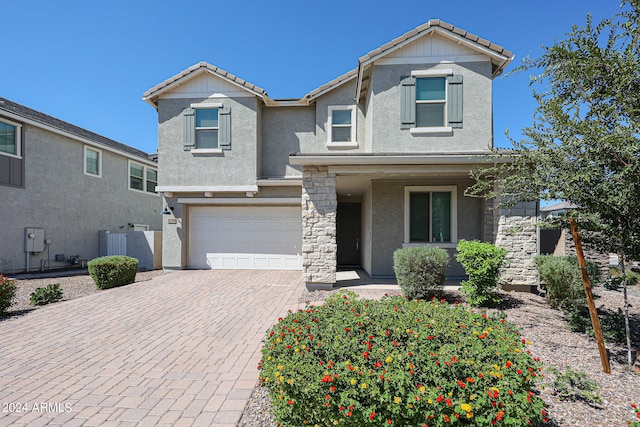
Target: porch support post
<point>518,234</point>
<point>319,205</point>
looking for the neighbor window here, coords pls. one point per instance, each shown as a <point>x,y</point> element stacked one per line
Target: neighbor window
<point>142,178</point>
<point>9,138</point>
<point>430,215</point>
<point>430,102</point>
<point>92,162</point>
<point>206,128</point>
<point>341,129</point>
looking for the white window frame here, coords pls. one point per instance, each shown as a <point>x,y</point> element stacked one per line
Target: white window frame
<point>144,178</point>
<point>341,144</point>
<point>18,140</point>
<point>84,161</point>
<point>201,106</point>
<point>445,72</point>
<point>453,212</point>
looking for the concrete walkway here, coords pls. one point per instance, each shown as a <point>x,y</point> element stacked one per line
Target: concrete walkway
<point>181,349</point>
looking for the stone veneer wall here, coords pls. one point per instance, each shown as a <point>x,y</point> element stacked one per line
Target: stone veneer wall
<point>518,234</point>
<point>319,204</point>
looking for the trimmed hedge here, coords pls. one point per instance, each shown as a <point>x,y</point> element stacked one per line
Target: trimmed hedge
<point>113,271</point>
<point>420,270</point>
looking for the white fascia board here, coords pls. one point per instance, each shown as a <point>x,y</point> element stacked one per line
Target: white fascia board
<point>393,160</point>
<point>85,141</point>
<point>276,182</point>
<point>203,188</point>
<point>225,201</point>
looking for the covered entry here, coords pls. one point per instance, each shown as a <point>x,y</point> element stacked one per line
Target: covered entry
<point>245,237</point>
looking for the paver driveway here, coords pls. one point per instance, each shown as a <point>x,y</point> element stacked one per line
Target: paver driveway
<point>181,349</point>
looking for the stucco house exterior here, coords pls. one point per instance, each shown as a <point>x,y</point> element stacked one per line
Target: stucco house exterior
<point>375,160</point>
<point>61,186</point>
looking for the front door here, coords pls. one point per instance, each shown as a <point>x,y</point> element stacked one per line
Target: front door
<point>348,234</point>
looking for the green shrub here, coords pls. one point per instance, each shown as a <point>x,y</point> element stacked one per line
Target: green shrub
<point>43,296</point>
<point>420,270</point>
<point>575,385</point>
<point>562,277</point>
<point>112,271</point>
<point>614,281</point>
<point>8,289</point>
<point>481,262</point>
<point>354,362</point>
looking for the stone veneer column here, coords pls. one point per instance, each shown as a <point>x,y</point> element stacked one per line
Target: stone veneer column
<point>319,204</point>
<point>518,234</point>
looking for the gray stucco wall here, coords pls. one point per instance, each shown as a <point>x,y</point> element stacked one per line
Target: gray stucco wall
<point>71,206</point>
<point>237,166</point>
<point>386,135</point>
<point>341,96</point>
<point>388,221</point>
<point>284,131</point>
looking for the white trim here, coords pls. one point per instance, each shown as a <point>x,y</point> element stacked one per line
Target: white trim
<point>144,178</point>
<point>206,151</point>
<point>202,105</point>
<point>435,129</point>
<point>273,201</point>
<point>432,72</point>
<point>18,140</point>
<point>427,159</point>
<point>341,144</point>
<point>453,212</point>
<point>203,188</point>
<point>433,60</point>
<point>85,141</point>
<point>84,162</point>
<point>280,182</point>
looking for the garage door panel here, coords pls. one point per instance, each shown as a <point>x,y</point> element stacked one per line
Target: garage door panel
<point>245,237</point>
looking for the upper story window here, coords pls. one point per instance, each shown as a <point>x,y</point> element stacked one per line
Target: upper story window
<point>431,214</point>
<point>207,128</point>
<point>142,178</point>
<point>431,101</point>
<point>341,126</point>
<point>10,139</point>
<point>92,162</point>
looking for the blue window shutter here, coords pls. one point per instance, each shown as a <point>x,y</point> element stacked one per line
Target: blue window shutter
<point>224,130</point>
<point>454,101</point>
<point>189,119</point>
<point>407,103</point>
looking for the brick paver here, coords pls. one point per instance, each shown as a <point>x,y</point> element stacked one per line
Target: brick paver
<point>181,349</point>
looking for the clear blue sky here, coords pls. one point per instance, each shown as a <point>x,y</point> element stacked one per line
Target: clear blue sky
<point>89,62</point>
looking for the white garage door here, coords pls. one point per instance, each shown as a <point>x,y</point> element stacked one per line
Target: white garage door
<point>246,237</point>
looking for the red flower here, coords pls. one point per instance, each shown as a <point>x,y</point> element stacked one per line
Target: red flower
<point>372,415</point>
<point>290,402</point>
<point>446,419</point>
<point>326,379</point>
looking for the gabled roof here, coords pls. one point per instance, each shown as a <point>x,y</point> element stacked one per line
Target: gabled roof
<point>500,56</point>
<point>21,113</point>
<point>327,87</point>
<point>152,95</point>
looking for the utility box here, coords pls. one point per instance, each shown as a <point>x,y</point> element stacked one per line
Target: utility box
<point>34,240</point>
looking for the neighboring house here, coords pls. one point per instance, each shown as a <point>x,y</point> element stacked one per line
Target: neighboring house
<point>62,185</point>
<point>375,160</point>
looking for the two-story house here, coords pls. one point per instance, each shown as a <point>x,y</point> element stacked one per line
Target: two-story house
<point>375,160</point>
<point>62,185</point>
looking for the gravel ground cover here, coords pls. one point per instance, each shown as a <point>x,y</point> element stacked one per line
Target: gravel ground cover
<point>557,346</point>
<point>550,337</point>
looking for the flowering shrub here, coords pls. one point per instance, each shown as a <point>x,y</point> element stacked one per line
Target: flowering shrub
<point>482,262</point>
<point>356,362</point>
<point>7,293</point>
<point>635,423</point>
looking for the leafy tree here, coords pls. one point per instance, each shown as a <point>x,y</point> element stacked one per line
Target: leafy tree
<point>584,143</point>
